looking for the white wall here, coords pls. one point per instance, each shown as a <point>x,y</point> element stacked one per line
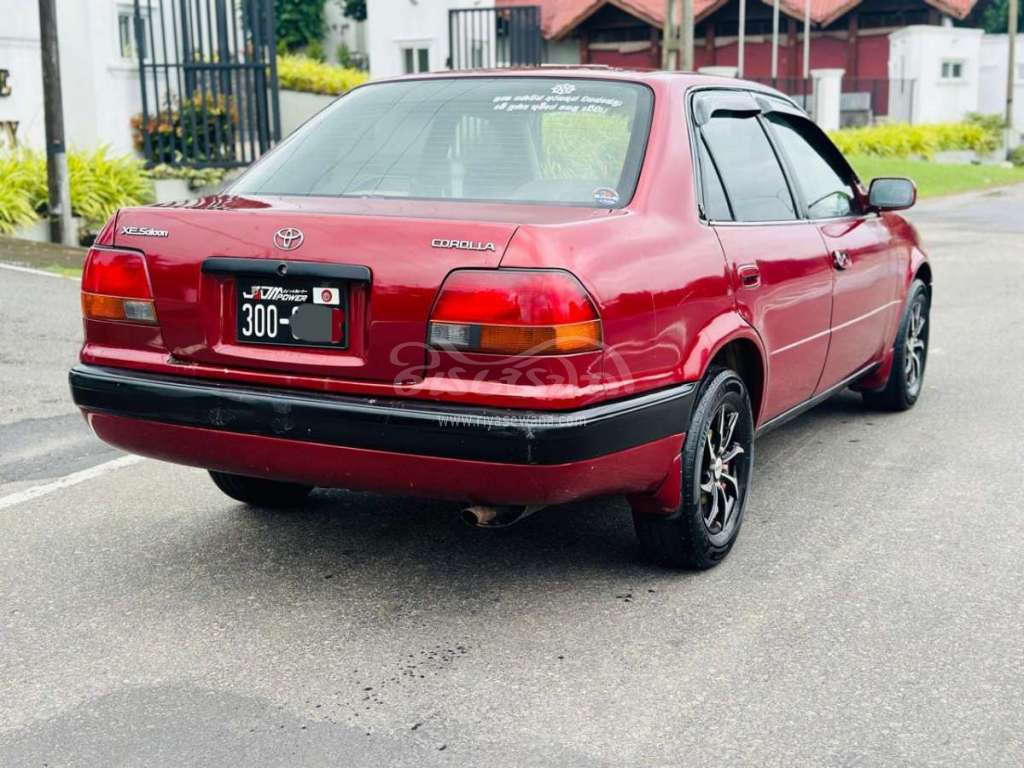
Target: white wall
<point>563,51</point>
<point>992,98</point>
<point>339,28</point>
<point>19,53</point>
<point>100,89</point>
<point>918,52</point>
<point>394,24</point>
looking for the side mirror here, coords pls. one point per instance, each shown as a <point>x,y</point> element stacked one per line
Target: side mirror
<point>891,194</point>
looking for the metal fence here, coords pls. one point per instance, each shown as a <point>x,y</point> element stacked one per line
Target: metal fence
<point>489,38</point>
<point>208,75</point>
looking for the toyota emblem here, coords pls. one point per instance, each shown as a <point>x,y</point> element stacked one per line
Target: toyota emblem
<point>288,238</point>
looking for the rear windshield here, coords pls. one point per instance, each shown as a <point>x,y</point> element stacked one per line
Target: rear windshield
<point>533,140</point>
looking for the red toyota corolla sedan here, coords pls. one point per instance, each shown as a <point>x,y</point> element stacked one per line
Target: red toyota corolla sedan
<point>511,289</point>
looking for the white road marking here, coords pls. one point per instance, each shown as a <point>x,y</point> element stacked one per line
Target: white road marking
<point>30,271</point>
<point>67,481</point>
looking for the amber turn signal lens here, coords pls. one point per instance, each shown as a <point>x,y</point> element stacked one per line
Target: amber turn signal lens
<point>540,340</point>
<point>98,307</point>
<point>518,339</point>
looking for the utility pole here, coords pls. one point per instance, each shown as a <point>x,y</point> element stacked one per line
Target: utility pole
<point>677,39</point>
<point>686,35</point>
<point>668,35</point>
<point>807,39</point>
<point>775,41</point>
<point>741,38</point>
<point>1011,31</point>
<point>61,229</point>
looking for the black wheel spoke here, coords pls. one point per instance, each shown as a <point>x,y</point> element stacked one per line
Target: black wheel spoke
<point>721,481</point>
<point>916,345</point>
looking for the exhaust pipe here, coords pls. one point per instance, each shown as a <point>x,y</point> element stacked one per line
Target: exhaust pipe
<point>497,517</point>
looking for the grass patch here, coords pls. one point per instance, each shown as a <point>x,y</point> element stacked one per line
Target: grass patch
<point>936,179</point>
<point>75,272</point>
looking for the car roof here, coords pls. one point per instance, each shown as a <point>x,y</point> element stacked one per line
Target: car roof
<point>652,77</point>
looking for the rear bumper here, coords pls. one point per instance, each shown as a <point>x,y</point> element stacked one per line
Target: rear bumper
<point>482,454</point>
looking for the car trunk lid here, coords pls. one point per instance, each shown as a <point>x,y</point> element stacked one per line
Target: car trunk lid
<point>397,264</point>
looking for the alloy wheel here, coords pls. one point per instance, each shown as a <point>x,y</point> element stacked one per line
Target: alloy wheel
<point>723,472</point>
<point>916,345</point>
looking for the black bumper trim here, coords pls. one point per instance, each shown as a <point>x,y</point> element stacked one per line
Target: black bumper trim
<point>502,435</point>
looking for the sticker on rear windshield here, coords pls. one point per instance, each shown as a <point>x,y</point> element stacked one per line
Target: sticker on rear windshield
<point>562,97</point>
<point>606,196</point>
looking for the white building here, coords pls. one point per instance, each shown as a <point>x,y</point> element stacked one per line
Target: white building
<point>99,68</point>
<point>954,71</point>
<point>340,30</point>
<point>99,73</point>
<point>994,53</point>
<point>409,36</point>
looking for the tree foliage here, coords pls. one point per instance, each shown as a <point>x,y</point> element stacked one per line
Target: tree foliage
<point>355,9</point>
<point>995,17</point>
<point>299,23</point>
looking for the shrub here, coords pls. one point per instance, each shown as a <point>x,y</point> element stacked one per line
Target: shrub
<point>16,207</point>
<point>994,124</point>
<point>1017,156</point>
<point>315,51</point>
<point>197,178</point>
<point>300,73</point>
<point>100,184</point>
<point>199,128</point>
<point>900,140</point>
<point>343,56</point>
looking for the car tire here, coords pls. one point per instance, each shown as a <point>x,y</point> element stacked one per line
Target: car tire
<point>260,492</point>
<point>717,463</point>
<point>910,353</point>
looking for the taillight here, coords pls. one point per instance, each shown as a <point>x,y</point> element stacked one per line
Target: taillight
<point>115,286</point>
<point>514,312</point>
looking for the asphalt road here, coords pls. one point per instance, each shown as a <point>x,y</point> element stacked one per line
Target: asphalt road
<point>870,615</point>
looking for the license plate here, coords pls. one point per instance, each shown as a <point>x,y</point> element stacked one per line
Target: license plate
<point>292,313</point>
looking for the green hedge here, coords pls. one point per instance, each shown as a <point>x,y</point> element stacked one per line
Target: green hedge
<point>899,140</point>
<point>100,184</point>
<point>301,73</point>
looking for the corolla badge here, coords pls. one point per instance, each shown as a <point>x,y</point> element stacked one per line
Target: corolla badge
<point>288,238</point>
<point>461,245</point>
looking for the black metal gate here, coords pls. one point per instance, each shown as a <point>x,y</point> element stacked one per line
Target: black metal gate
<point>487,38</point>
<point>208,73</point>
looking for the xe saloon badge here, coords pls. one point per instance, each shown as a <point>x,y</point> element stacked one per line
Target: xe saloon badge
<point>144,231</point>
<point>461,245</point>
<point>288,238</point>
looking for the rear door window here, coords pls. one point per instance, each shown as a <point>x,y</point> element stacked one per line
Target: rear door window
<point>822,175</point>
<point>750,171</point>
<point>716,205</point>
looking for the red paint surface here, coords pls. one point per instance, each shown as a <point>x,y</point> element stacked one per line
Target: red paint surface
<point>637,470</point>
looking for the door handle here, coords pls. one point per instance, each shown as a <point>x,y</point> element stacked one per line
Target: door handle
<point>749,275</point>
<point>841,259</point>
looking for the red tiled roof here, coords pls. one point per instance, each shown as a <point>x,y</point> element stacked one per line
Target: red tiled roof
<point>560,17</point>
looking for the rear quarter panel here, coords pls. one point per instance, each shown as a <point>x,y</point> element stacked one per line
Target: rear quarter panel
<point>657,274</point>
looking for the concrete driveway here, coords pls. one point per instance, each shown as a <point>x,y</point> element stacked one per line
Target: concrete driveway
<point>870,615</point>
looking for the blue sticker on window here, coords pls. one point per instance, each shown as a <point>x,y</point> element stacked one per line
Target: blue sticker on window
<point>606,196</point>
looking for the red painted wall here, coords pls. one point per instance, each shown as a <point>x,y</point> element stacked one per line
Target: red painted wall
<point>872,56</point>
